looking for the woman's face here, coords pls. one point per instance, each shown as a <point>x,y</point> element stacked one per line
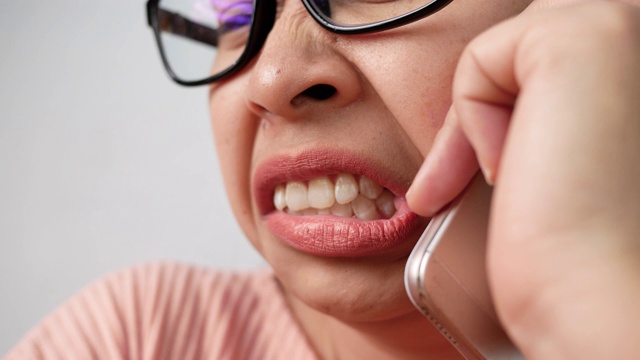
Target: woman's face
<point>312,105</point>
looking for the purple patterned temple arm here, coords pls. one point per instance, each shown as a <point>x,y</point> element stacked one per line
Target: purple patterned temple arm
<point>176,24</point>
<point>233,14</point>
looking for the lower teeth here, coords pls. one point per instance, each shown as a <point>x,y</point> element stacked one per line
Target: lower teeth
<point>361,208</point>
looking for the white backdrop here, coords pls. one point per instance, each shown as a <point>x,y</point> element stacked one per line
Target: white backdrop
<point>104,162</point>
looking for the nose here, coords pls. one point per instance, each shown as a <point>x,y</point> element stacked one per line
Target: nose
<point>301,69</point>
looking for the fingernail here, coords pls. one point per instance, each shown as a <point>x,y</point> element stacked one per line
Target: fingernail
<point>488,174</point>
<point>416,195</point>
<point>408,194</point>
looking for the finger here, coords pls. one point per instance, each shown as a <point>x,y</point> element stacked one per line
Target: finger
<point>547,4</point>
<point>484,95</point>
<point>486,85</point>
<point>474,129</point>
<point>446,171</point>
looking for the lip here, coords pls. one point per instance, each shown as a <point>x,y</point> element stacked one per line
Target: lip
<point>331,236</point>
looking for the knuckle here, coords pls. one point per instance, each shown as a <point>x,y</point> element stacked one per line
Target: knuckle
<point>617,21</point>
<point>582,33</point>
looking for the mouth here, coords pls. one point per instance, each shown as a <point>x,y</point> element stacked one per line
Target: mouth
<point>334,204</point>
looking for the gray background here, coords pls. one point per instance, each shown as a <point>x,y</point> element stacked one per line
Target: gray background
<point>104,162</point>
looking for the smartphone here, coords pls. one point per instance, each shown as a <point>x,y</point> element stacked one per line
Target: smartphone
<point>446,277</point>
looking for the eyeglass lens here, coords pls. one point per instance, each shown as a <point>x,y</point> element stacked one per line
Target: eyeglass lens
<point>202,38</point>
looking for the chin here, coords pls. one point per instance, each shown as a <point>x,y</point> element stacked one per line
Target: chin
<point>352,289</point>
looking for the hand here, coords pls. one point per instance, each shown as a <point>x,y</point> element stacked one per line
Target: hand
<point>548,104</point>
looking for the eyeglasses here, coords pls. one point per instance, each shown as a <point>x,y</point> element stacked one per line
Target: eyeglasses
<point>202,41</point>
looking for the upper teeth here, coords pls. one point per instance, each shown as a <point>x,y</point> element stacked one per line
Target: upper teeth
<point>345,196</point>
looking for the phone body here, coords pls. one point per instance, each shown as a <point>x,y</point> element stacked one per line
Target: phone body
<point>446,277</point>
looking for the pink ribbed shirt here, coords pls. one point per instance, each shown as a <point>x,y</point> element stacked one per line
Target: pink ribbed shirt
<point>171,311</point>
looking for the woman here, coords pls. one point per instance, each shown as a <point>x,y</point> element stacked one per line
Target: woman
<point>546,103</point>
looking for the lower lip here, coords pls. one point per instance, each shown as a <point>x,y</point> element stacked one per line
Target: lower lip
<point>332,236</point>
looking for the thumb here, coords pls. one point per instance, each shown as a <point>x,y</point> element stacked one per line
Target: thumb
<point>485,90</point>
<point>448,168</point>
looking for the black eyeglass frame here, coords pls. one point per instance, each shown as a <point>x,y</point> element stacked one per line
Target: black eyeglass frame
<point>261,26</point>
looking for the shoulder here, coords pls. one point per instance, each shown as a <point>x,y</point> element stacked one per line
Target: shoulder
<point>177,310</point>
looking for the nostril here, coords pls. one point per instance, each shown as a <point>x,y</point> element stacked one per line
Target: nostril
<point>319,92</point>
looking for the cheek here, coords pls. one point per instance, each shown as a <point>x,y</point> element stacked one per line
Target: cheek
<point>412,80</point>
<point>234,130</point>
<point>413,77</point>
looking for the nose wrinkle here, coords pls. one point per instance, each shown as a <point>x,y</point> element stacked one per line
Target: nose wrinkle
<point>300,28</point>
<point>298,66</point>
<point>291,31</point>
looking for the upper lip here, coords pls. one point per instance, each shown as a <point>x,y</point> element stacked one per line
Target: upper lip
<point>310,164</point>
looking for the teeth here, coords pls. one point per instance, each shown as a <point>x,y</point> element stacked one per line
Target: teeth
<point>364,208</point>
<point>346,188</point>
<point>278,198</point>
<point>363,198</point>
<point>309,211</point>
<point>385,203</point>
<point>343,210</point>
<point>321,193</point>
<point>296,196</point>
<point>369,188</point>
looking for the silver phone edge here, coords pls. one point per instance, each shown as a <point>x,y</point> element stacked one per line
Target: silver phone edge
<point>414,280</point>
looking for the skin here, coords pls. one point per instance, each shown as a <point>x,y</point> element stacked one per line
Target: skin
<point>565,267</point>
<point>357,307</point>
